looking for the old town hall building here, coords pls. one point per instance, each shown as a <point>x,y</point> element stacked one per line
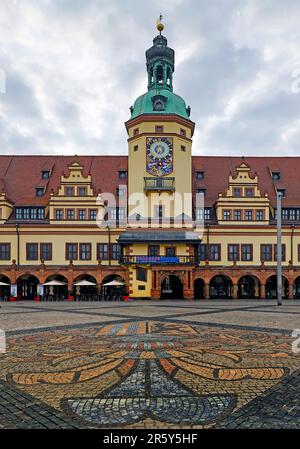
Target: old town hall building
<point>164,223</point>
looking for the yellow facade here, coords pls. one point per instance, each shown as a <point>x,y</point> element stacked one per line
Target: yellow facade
<point>162,245</point>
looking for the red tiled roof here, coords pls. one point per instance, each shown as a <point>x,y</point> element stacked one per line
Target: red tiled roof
<point>20,175</point>
<point>218,168</point>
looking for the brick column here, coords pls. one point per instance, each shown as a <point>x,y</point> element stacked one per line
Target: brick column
<point>235,291</point>
<point>263,291</point>
<point>291,291</point>
<point>206,290</point>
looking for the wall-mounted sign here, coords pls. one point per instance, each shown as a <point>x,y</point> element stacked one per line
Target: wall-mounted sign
<point>14,290</point>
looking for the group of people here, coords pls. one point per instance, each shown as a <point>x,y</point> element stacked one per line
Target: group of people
<point>87,297</point>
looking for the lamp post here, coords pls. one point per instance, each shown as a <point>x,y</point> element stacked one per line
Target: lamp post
<point>279,251</point>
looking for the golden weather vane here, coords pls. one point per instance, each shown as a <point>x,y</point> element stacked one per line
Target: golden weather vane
<point>159,25</point>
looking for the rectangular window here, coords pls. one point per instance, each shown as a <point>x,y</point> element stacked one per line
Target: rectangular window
<point>233,252</point>
<point>215,252</point>
<point>4,251</point>
<point>135,131</point>
<point>275,175</point>
<point>141,274</point>
<point>85,251</point>
<point>249,192</point>
<point>81,191</point>
<point>281,192</point>
<point>201,191</point>
<point>69,191</point>
<point>135,148</point>
<point>248,215</point>
<point>199,213</point>
<point>202,254</point>
<point>183,148</point>
<point>237,191</point>
<point>159,129</point>
<point>247,253</point>
<point>266,252</point>
<point>39,191</point>
<point>70,214</point>
<point>93,214</point>
<point>123,174</point>
<point>207,214</point>
<point>59,214</point>
<point>199,174</point>
<point>81,214</point>
<point>283,252</point>
<point>71,251</point>
<point>237,215</point>
<point>171,251</point>
<point>182,132</point>
<point>45,174</point>
<point>46,251</point>
<point>32,251</point>
<point>259,215</point>
<point>153,250</point>
<point>226,215</point>
<point>102,251</point>
<point>115,251</point>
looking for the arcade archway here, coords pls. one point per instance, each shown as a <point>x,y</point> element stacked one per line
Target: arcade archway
<point>199,288</point>
<point>171,287</point>
<point>248,287</point>
<point>4,289</point>
<point>271,287</point>
<point>27,286</point>
<point>220,287</point>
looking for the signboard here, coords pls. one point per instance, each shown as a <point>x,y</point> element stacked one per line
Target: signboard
<point>40,289</point>
<point>157,259</point>
<point>14,290</point>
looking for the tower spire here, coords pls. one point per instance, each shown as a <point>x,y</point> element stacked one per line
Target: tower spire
<point>159,25</point>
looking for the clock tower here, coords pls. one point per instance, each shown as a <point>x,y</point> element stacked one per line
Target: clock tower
<point>160,137</point>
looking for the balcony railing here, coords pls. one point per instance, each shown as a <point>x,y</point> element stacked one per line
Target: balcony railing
<point>159,260</point>
<point>159,184</point>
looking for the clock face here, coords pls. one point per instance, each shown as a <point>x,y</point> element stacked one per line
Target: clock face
<point>159,156</point>
<point>159,149</point>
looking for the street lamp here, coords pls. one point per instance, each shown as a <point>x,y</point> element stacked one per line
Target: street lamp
<point>279,250</point>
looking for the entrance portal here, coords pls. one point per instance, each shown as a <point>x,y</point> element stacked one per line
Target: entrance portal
<point>27,286</point>
<point>172,288</point>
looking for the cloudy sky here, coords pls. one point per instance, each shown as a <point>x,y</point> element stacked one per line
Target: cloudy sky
<point>73,68</point>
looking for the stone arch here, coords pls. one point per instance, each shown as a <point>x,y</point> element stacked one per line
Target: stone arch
<point>271,287</point>
<point>27,285</point>
<point>5,289</point>
<point>296,292</point>
<point>171,286</point>
<point>221,287</point>
<point>249,287</point>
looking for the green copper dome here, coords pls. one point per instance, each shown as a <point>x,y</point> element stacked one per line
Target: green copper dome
<point>160,98</point>
<point>160,102</point>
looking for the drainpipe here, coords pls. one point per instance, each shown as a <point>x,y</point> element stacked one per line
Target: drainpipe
<point>292,244</point>
<point>109,248</point>
<point>18,244</point>
<point>208,250</point>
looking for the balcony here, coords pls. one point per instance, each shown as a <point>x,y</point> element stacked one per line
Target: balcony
<point>159,184</point>
<point>159,260</point>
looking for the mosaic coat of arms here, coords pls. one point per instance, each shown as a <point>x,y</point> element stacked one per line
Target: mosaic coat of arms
<point>159,155</point>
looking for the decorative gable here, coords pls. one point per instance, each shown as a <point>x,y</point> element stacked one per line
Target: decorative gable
<point>243,201</point>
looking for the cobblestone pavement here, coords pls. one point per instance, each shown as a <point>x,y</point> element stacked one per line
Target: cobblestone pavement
<point>150,365</point>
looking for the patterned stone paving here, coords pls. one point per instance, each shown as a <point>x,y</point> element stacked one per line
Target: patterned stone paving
<point>155,371</point>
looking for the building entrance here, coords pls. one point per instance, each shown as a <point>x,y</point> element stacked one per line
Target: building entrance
<point>172,288</point>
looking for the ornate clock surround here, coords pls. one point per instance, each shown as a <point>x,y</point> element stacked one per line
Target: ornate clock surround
<point>159,155</point>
